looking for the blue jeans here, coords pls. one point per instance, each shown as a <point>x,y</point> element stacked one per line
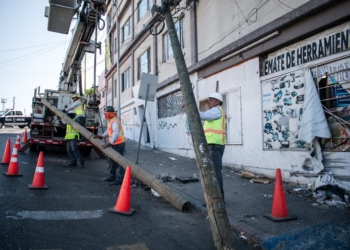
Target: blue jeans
<point>112,165</point>
<point>217,151</point>
<point>74,153</point>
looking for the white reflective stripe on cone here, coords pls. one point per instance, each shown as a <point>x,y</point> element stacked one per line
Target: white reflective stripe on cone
<point>39,169</point>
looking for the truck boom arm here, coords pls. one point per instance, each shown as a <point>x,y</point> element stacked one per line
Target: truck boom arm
<point>88,18</point>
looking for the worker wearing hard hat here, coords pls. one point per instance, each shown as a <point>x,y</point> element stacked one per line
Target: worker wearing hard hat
<point>214,130</point>
<point>77,106</point>
<point>72,137</point>
<point>116,140</point>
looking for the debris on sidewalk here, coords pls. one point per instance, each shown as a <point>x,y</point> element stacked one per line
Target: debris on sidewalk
<point>324,191</point>
<point>154,193</point>
<point>262,181</point>
<point>247,175</point>
<point>323,180</point>
<point>165,178</point>
<point>254,178</point>
<point>137,183</point>
<point>249,241</point>
<point>184,179</point>
<point>268,196</point>
<point>172,158</point>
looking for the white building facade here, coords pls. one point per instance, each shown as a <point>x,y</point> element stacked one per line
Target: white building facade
<point>269,60</point>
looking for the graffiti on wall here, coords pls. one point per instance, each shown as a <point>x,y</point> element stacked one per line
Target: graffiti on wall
<point>165,125</point>
<point>283,99</point>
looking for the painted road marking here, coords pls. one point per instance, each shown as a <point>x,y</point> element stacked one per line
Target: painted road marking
<point>54,215</point>
<point>139,246</point>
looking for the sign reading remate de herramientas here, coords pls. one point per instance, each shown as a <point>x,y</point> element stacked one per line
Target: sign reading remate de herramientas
<point>328,42</point>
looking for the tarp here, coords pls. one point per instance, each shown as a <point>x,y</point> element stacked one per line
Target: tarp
<point>313,122</point>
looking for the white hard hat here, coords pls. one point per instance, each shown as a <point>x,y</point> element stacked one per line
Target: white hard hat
<point>216,96</point>
<point>71,112</point>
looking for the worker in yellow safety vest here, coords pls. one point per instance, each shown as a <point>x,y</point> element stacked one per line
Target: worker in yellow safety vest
<point>78,107</point>
<point>72,137</point>
<point>214,130</point>
<point>116,140</point>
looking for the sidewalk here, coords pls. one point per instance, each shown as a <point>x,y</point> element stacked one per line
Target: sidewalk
<point>317,226</point>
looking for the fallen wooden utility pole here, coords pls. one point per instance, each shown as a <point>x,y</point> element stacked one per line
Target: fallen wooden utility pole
<point>165,191</point>
<point>220,225</point>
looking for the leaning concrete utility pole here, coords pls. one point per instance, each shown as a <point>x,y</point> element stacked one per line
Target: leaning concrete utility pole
<point>165,191</point>
<point>221,229</point>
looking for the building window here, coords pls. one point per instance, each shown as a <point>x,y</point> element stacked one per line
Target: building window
<point>126,79</point>
<point>144,64</point>
<point>168,50</point>
<point>103,93</point>
<point>332,80</point>
<point>126,30</point>
<point>142,9</point>
<point>170,105</point>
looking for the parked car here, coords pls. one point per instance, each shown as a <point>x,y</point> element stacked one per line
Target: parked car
<point>15,118</point>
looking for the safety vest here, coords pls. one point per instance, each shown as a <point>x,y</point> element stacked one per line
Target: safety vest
<point>215,130</point>
<point>79,110</point>
<point>121,136</point>
<point>71,133</point>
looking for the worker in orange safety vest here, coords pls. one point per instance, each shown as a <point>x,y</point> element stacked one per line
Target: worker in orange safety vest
<point>116,140</point>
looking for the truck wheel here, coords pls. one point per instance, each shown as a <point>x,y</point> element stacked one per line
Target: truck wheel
<point>21,126</point>
<point>33,148</point>
<point>1,124</point>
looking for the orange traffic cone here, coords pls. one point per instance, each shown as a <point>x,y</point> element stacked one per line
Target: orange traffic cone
<point>123,203</point>
<point>13,167</point>
<point>24,139</point>
<point>39,179</point>
<point>279,205</point>
<point>18,145</point>
<point>7,154</point>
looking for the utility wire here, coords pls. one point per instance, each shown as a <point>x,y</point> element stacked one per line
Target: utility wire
<point>21,59</point>
<point>10,50</point>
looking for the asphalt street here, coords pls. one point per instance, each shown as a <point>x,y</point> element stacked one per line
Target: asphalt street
<point>73,212</point>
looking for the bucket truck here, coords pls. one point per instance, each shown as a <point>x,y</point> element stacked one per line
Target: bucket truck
<point>45,128</point>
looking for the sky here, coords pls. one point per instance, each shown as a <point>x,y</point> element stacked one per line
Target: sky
<point>32,56</point>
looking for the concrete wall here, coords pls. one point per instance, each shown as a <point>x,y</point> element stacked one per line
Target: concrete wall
<point>225,23</point>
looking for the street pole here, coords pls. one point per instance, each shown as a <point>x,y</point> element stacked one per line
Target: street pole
<point>118,63</point>
<point>172,196</point>
<point>143,120</point>
<point>221,229</point>
<point>95,59</point>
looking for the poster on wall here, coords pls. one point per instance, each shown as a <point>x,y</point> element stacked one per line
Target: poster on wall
<point>283,99</point>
